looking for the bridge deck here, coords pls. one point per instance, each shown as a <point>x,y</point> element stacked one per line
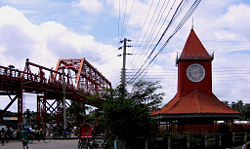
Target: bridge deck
<point>54,84</point>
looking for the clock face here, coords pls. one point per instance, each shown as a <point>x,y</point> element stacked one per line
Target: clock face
<point>195,72</point>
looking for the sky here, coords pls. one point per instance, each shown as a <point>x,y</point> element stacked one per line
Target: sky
<point>47,30</point>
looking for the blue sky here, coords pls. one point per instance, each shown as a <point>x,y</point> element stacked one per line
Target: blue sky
<point>68,13</point>
<point>46,30</point>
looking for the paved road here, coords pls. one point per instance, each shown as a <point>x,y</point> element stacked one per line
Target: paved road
<point>53,144</point>
<point>238,147</point>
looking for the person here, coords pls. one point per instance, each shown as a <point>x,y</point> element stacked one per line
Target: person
<point>24,138</point>
<point>247,144</point>
<point>3,136</point>
<point>8,135</point>
<point>41,135</point>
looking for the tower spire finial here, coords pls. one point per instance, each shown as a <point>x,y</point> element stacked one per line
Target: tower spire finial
<point>192,27</point>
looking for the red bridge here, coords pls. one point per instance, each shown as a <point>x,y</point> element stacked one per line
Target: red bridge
<point>73,79</point>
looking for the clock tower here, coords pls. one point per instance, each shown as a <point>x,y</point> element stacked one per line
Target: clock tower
<point>194,67</point>
<point>195,102</point>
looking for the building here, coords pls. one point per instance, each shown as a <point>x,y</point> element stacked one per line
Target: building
<point>195,102</point>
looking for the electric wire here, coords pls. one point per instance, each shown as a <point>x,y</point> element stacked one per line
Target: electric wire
<point>151,19</point>
<point>141,60</point>
<point>138,73</point>
<point>146,44</point>
<point>178,27</point>
<point>169,24</point>
<point>144,24</point>
<point>157,33</point>
<point>151,41</point>
<point>129,16</point>
<point>183,21</point>
<point>149,24</point>
<point>124,16</point>
<point>217,74</point>
<point>119,21</point>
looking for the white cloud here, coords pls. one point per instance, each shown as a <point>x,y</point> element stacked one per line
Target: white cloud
<point>20,1</point>
<point>91,6</point>
<point>18,33</point>
<point>45,43</point>
<point>215,21</point>
<point>138,13</point>
<point>227,21</point>
<point>237,19</point>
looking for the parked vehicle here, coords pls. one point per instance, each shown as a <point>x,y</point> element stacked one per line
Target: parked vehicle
<point>89,140</point>
<point>85,140</point>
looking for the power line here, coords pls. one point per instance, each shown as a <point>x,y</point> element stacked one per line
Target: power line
<point>147,44</point>
<point>124,17</point>
<point>151,19</point>
<point>181,42</point>
<point>119,21</point>
<point>183,21</point>
<point>148,47</point>
<point>139,70</point>
<point>128,18</point>
<point>144,24</point>
<point>214,77</point>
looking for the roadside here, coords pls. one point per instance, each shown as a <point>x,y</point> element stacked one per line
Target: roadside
<point>237,147</point>
<point>49,144</point>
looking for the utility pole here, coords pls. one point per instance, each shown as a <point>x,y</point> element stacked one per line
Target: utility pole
<point>123,79</point>
<point>64,106</point>
<point>123,73</point>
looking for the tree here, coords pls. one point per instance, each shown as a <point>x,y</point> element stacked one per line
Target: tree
<point>129,118</point>
<point>247,111</point>
<point>238,106</point>
<point>226,103</point>
<point>78,111</point>
<point>30,116</point>
<point>145,93</point>
<point>241,107</point>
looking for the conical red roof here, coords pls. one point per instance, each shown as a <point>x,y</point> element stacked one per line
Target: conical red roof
<point>195,102</point>
<point>194,49</point>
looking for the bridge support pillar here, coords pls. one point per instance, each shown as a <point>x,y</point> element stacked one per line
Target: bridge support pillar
<point>41,111</point>
<point>20,104</point>
<point>49,112</point>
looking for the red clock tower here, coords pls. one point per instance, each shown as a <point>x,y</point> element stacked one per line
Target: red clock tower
<point>194,67</point>
<point>195,101</point>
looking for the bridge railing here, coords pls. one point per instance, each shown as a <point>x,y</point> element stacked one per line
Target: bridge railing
<point>46,75</point>
<point>33,77</point>
<point>10,72</point>
<point>88,80</point>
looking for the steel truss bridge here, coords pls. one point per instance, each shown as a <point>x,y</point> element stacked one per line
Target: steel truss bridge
<point>72,79</point>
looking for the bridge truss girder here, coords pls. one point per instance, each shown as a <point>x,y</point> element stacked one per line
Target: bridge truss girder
<point>84,76</point>
<point>82,81</point>
<point>50,111</point>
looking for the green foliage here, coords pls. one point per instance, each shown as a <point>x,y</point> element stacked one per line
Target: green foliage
<point>78,111</point>
<point>241,107</point>
<point>129,118</point>
<point>126,119</point>
<point>247,110</point>
<point>145,93</point>
<point>30,116</point>
<point>226,103</point>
